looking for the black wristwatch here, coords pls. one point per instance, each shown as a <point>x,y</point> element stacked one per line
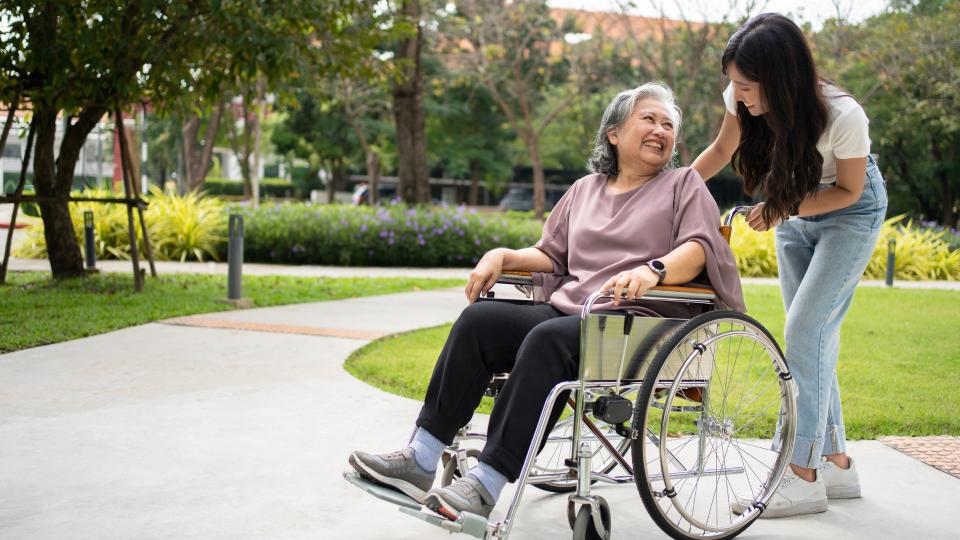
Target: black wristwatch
<point>659,268</point>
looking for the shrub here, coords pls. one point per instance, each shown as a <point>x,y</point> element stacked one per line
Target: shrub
<point>391,235</point>
<point>189,227</point>
<point>919,253</point>
<point>269,187</point>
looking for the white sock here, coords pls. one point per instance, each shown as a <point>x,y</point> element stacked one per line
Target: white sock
<point>427,449</point>
<point>491,479</point>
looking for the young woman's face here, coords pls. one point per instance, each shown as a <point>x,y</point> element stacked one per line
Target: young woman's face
<point>647,137</point>
<point>746,91</point>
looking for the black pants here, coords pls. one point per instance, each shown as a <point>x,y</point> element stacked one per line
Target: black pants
<point>537,344</point>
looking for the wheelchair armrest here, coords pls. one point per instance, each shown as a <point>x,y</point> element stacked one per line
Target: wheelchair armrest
<point>682,292</point>
<point>661,292</point>
<point>511,277</point>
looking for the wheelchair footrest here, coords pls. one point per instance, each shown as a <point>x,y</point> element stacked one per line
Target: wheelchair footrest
<point>381,492</point>
<point>468,523</point>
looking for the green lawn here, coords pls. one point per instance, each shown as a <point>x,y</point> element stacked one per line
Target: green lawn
<point>36,311</point>
<point>899,364</point>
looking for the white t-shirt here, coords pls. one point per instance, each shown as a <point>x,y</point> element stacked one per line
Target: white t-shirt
<point>847,135</point>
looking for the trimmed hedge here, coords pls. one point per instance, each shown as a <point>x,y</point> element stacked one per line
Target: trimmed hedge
<point>269,187</point>
<point>193,227</point>
<point>392,235</point>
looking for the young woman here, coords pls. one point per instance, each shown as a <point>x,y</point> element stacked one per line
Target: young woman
<point>803,144</point>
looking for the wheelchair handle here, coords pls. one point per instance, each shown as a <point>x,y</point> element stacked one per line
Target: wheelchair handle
<point>727,228</point>
<point>728,221</point>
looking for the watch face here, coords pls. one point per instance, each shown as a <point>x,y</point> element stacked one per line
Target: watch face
<point>658,266</point>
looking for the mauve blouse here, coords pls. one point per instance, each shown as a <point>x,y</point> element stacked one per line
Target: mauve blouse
<point>591,235</point>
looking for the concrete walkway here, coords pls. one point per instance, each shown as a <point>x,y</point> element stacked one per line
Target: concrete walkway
<point>182,431</point>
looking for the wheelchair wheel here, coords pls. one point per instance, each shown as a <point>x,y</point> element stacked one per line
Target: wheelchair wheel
<point>714,425</point>
<point>551,460</point>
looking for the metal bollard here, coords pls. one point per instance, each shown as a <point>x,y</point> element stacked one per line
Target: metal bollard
<point>235,258</point>
<point>88,240</point>
<point>891,248</point>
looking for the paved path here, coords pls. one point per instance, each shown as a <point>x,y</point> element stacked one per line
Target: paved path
<point>185,431</point>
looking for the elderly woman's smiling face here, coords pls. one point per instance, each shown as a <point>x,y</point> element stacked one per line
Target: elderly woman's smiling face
<point>645,141</point>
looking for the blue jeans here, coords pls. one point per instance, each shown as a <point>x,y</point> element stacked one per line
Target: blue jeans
<point>821,258</point>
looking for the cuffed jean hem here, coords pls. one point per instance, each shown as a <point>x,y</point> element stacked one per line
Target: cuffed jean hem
<point>835,442</point>
<point>805,452</point>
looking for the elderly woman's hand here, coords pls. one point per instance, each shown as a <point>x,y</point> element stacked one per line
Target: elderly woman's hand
<point>484,276</point>
<point>635,282</point>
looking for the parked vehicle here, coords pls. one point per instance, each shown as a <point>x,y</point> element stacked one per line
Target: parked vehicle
<point>521,199</point>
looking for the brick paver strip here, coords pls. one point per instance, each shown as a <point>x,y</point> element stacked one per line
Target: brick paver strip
<point>942,452</point>
<point>209,322</point>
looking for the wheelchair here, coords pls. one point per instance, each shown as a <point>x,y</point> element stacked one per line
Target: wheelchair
<point>698,414</point>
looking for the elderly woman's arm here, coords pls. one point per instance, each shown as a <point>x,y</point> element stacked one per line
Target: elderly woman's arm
<point>491,265</point>
<point>683,264</point>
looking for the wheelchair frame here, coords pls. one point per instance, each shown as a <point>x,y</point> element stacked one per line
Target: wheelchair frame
<point>594,510</point>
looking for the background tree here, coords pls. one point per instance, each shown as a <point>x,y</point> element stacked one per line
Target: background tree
<point>316,131</point>
<point>520,53</point>
<point>365,107</point>
<point>684,53</point>
<point>82,59</point>
<point>412,175</point>
<point>902,67</point>
<point>198,150</point>
<point>468,133</point>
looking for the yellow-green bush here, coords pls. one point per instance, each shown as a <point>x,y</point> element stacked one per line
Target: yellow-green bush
<point>188,227</point>
<point>920,254</point>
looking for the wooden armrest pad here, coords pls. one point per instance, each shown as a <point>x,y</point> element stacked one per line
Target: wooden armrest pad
<point>517,273</point>
<point>683,289</point>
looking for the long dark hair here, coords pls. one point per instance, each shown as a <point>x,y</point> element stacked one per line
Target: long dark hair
<point>777,155</point>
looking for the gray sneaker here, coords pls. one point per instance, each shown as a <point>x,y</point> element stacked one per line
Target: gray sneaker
<point>465,495</point>
<point>398,470</point>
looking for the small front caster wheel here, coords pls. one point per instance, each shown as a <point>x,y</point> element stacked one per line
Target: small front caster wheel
<point>451,470</point>
<point>586,528</point>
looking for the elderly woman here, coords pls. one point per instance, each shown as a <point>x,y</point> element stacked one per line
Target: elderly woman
<point>630,225</point>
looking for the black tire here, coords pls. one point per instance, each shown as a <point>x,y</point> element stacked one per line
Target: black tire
<point>584,527</point>
<point>711,343</point>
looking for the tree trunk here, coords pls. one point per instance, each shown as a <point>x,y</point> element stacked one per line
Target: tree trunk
<point>474,182</point>
<point>54,178</point>
<point>408,115</point>
<point>683,153</point>
<point>947,217</point>
<point>904,167</point>
<point>336,180</point>
<point>373,177</point>
<point>539,189</point>
<point>258,107</point>
<point>196,156</point>
<point>241,144</point>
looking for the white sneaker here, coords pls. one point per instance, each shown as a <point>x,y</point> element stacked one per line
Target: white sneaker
<point>840,483</point>
<point>795,496</point>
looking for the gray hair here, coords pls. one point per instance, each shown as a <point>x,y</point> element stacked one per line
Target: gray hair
<point>603,159</point>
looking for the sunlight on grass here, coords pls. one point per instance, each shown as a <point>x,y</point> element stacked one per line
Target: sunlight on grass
<point>898,370</point>
<point>35,310</point>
